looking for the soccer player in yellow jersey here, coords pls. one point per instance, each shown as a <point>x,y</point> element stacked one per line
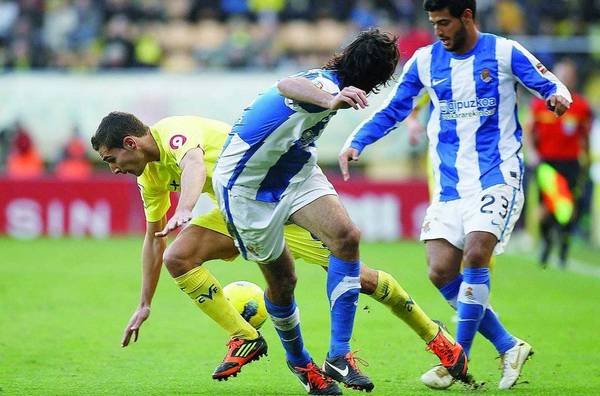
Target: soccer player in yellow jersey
<point>178,154</point>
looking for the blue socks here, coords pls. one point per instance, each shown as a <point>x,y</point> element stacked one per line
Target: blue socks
<point>450,290</point>
<point>492,329</point>
<point>473,298</point>
<point>343,288</point>
<point>286,320</point>
<point>489,326</point>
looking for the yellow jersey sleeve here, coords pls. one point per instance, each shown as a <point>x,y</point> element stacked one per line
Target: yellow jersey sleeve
<point>156,203</point>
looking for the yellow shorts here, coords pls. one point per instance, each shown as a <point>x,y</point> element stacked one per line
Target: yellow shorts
<point>300,242</point>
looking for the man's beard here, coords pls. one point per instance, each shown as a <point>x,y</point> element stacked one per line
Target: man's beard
<point>459,40</point>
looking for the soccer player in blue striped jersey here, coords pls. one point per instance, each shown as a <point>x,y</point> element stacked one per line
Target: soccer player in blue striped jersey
<point>475,149</point>
<point>267,176</point>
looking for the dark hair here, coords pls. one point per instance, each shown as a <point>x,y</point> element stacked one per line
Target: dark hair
<point>114,127</point>
<point>368,62</point>
<point>455,7</point>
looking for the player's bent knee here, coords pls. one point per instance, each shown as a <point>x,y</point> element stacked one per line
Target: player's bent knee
<point>440,276</point>
<point>477,256</point>
<point>346,243</point>
<point>177,263</point>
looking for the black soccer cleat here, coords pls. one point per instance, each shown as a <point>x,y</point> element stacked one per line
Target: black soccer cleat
<point>240,353</point>
<point>344,369</point>
<point>314,380</point>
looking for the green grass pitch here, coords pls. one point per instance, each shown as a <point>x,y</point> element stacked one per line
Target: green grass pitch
<point>65,303</point>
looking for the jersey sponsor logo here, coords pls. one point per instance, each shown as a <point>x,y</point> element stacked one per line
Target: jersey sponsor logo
<point>470,108</point>
<point>177,141</point>
<point>485,76</point>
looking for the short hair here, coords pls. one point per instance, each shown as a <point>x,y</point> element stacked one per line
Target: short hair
<point>368,62</point>
<point>114,127</point>
<point>455,7</point>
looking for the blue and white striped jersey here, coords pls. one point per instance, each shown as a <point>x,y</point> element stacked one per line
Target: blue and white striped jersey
<point>272,145</point>
<point>474,134</point>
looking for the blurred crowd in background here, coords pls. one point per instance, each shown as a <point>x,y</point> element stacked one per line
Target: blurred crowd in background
<point>22,159</point>
<point>85,36</point>
<point>196,35</point>
<point>188,35</point>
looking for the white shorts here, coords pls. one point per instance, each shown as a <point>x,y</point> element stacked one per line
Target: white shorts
<point>257,227</point>
<point>494,210</point>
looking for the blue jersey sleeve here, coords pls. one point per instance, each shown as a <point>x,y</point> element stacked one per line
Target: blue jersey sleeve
<point>397,108</point>
<point>326,80</point>
<point>533,74</point>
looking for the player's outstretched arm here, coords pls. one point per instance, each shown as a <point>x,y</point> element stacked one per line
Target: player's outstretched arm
<point>152,253</point>
<point>193,176</point>
<point>347,155</point>
<point>303,90</point>
<point>399,105</point>
<point>532,74</point>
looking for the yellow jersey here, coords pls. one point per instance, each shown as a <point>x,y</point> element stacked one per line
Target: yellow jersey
<point>175,136</point>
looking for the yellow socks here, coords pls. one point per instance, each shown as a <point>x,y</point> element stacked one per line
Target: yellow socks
<point>206,291</point>
<point>390,293</point>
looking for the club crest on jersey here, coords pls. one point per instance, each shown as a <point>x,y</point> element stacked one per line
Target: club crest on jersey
<point>177,141</point>
<point>542,69</point>
<point>485,76</point>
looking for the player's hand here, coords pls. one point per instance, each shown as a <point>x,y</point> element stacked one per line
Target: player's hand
<point>349,154</point>
<point>558,104</point>
<point>180,218</point>
<point>349,97</point>
<point>133,327</point>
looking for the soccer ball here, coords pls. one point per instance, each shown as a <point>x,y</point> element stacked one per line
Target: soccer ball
<point>248,299</point>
